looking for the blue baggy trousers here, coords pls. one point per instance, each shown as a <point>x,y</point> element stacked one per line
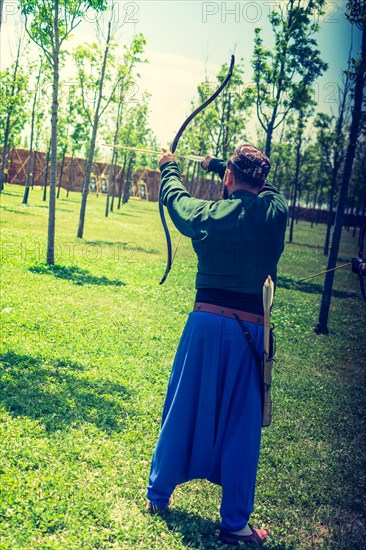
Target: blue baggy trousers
<point>211,422</point>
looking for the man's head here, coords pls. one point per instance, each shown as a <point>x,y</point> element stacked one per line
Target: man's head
<point>247,169</point>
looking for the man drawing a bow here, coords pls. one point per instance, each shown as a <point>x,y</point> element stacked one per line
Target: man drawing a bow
<point>211,421</point>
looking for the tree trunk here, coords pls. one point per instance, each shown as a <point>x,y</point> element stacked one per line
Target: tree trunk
<point>271,123</point>
<point>321,327</point>
<point>269,139</point>
<point>298,207</point>
<point>45,177</point>
<point>34,166</point>
<point>337,158</point>
<point>93,138</point>
<point>313,214</point>
<point>274,177</point>
<point>113,183</point>
<point>1,12</point>
<point>291,199</point>
<point>296,180</point>
<point>126,189</point>
<point>8,119</point>
<point>71,174</point>
<point>330,218</point>
<point>31,154</point>
<point>319,209</point>
<point>354,217</point>
<point>308,198</point>
<point>110,179</point>
<point>53,175</point>
<point>35,158</point>
<point>61,173</point>
<point>112,173</point>
<point>120,183</point>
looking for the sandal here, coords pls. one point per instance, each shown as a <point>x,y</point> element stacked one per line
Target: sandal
<point>258,535</point>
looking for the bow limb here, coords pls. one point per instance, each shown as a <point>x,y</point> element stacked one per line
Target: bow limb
<point>174,146</point>
<point>204,105</point>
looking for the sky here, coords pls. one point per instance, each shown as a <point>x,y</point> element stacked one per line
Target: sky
<point>188,39</point>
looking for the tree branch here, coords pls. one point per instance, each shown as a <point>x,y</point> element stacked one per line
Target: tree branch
<point>39,44</point>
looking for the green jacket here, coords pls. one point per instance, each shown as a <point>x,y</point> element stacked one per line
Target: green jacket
<point>238,241</point>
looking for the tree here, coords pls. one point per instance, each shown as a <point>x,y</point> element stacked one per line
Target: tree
<point>283,158</point>
<point>358,183</point>
<point>71,125</point>
<point>1,12</point>
<point>31,154</point>
<point>357,16</point>
<point>281,73</point>
<point>304,111</point>
<point>49,23</point>
<point>332,141</point>
<point>12,113</point>
<point>78,128</point>
<point>125,69</point>
<point>92,75</point>
<point>134,132</point>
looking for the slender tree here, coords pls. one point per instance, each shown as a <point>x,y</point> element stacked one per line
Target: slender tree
<point>356,15</point>
<point>281,73</point>
<point>134,131</point>
<point>49,23</point>
<point>12,112</point>
<point>46,170</point>
<point>95,82</point>
<point>125,69</point>
<point>31,153</point>
<point>304,112</point>
<point>358,185</point>
<point>1,12</point>
<point>121,181</point>
<point>67,122</point>
<point>332,141</point>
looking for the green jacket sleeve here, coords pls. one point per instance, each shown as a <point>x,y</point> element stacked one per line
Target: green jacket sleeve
<point>190,216</point>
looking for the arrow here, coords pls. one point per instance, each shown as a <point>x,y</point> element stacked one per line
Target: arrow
<point>322,272</point>
<point>195,158</point>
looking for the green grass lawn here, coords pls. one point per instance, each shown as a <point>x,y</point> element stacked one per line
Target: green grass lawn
<point>87,347</point>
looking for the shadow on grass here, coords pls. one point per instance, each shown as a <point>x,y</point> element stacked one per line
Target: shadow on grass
<point>10,193</point>
<point>75,274</point>
<point>306,245</point>
<point>58,395</point>
<point>123,246</point>
<point>310,288</point>
<point>13,211</point>
<point>201,533</point>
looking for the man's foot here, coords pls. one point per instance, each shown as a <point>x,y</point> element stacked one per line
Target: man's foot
<point>153,509</point>
<point>257,535</point>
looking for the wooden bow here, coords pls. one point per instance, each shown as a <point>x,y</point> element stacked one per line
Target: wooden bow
<point>173,148</point>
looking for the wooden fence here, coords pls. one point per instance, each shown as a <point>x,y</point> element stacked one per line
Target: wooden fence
<point>144,183</point>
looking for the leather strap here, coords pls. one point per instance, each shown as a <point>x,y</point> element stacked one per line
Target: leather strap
<point>227,312</point>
